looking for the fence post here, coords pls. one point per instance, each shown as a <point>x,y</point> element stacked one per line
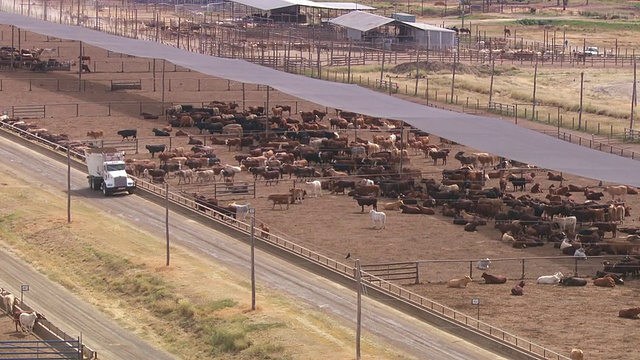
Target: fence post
<point>109,109</point>
<point>29,84</point>
<point>198,84</point>
<point>77,110</point>
<point>137,146</point>
<point>471,269</point>
<point>516,112</point>
<point>523,260</point>
<point>417,273</point>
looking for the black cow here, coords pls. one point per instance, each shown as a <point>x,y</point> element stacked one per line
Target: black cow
<point>153,149</point>
<point>127,133</point>
<point>518,183</point>
<point>367,201</point>
<point>573,281</point>
<point>160,132</point>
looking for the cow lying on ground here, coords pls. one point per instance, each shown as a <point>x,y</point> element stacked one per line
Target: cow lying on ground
<point>573,281</point>
<point>604,282</point>
<point>631,313</point>
<point>459,283</point>
<point>518,289</point>
<point>493,279</point>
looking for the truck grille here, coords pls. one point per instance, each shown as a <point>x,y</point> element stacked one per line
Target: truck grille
<point>120,181</point>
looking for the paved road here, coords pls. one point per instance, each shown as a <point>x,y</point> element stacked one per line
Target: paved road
<point>112,342</point>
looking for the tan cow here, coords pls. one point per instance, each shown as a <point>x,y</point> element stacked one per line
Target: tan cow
<point>393,205</point>
<point>614,191</point>
<point>459,283</point>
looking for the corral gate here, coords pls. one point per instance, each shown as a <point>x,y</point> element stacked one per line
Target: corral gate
<point>31,111</point>
<point>41,349</point>
<point>392,271</point>
<point>220,189</point>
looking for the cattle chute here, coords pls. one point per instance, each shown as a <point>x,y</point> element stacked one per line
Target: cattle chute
<point>482,133</point>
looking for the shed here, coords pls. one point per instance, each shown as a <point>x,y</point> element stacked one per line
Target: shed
<point>362,26</point>
<point>427,36</point>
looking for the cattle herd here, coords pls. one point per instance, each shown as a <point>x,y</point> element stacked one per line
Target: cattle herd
<point>374,161</point>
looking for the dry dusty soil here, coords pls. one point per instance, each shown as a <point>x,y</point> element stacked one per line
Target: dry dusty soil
<point>560,318</point>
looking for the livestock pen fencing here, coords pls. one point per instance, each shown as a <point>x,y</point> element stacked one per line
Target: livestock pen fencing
<point>403,298</point>
<point>524,268</point>
<point>54,343</point>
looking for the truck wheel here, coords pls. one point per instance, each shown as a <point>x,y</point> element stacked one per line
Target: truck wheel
<point>130,191</point>
<point>91,183</point>
<point>104,190</point>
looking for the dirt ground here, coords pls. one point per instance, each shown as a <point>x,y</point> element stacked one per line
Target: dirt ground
<point>557,317</point>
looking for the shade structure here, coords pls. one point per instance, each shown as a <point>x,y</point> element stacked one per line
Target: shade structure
<point>488,134</point>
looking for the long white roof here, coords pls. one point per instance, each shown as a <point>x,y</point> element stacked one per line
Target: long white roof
<point>361,21</point>
<point>488,134</point>
<point>267,5</point>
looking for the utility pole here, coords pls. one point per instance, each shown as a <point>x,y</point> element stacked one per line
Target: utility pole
<point>417,69</point>
<point>581,92</point>
<point>359,308</point>
<point>252,213</point>
<point>634,96</point>
<point>493,68</point>
<point>166,218</point>
<point>535,82</point>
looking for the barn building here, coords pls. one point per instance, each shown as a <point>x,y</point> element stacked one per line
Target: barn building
<point>401,28</point>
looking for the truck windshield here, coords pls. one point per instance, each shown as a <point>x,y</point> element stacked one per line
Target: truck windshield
<point>115,167</point>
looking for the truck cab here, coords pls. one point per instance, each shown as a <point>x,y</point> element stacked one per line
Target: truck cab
<point>107,173</point>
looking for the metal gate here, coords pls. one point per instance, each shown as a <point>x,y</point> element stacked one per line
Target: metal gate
<point>41,349</point>
<point>28,112</point>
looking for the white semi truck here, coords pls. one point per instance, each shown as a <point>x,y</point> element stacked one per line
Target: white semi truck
<point>106,171</point>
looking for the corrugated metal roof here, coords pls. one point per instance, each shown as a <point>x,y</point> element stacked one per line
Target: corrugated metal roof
<point>267,5</point>
<point>423,26</point>
<point>343,6</point>
<point>361,21</point>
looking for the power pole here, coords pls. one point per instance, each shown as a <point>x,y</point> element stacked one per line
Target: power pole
<point>359,308</point>
<point>493,67</point>
<point>581,92</point>
<point>634,97</point>
<point>535,83</point>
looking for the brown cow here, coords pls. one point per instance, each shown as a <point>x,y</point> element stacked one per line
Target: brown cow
<point>280,199</point>
<point>604,282</point>
<point>95,134</point>
<point>493,279</point>
<point>518,289</point>
<point>631,313</point>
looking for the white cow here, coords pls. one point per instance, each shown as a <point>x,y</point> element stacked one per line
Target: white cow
<point>241,210</point>
<point>9,301</point>
<point>550,279</point>
<point>378,218</point>
<point>316,187</point>
<point>28,320</point>
<point>366,182</point>
<point>566,223</point>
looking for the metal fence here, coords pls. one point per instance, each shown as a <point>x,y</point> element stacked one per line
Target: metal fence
<point>371,281</point>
